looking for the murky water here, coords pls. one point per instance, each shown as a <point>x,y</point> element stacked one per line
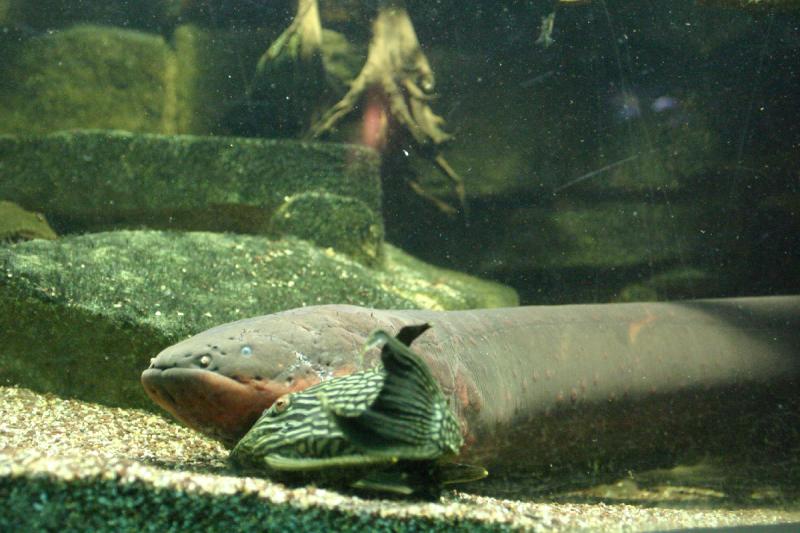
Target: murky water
<point>167,166</point>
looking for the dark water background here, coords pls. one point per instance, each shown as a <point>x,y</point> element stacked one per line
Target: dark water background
<point>649,152</point>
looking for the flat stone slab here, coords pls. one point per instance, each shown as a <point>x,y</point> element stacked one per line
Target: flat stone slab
<point>100,179</point>
<point>83,315</point>
<point>70,464</point>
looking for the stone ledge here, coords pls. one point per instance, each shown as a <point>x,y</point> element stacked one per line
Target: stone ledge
<point>100,179</point>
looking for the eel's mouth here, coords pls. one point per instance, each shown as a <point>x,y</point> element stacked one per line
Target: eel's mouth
<point>221,407</point>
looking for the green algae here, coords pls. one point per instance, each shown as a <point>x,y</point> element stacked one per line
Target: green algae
<point>17,224</point>
<point>176,182</point>
<point>343,223</point>
<point>36,504</point>
<point>85,77</point>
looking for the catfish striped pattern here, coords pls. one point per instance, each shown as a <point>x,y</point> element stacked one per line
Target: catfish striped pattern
<point>298,426</point>
<point>381,429</point>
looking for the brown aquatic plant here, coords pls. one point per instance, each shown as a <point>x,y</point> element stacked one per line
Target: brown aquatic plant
<point>397,68</point>
<point>396,80</point>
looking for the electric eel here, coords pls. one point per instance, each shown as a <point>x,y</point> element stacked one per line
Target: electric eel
<point>532,388</point>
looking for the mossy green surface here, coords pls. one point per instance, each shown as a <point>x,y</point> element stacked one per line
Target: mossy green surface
<point>83,315</point>
<point>18,224</point>
<point>5,6</point>
<point>93,76</point>
<point>57,14</point>
<point>346,224</point>
<point>42,504</point>
<point>53,345</point>
<point>84,77</point>
<point>464,291</point>
<point>180,182</point>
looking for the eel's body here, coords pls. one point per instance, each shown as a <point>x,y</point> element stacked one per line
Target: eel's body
<point>532,387</point>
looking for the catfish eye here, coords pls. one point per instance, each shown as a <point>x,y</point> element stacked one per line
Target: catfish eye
<point>282,403</point>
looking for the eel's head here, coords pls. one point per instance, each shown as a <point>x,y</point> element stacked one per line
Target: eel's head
<point>220,381</point>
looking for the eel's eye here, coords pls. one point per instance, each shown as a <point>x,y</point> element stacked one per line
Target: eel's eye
<point>282,403</point>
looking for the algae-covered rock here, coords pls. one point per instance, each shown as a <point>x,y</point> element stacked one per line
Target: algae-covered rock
<point>83,315</point>
<point>56,14</point>
<point>17,224</point>
<point>425,284</point>
<point>103,77</point>
<point>609,234</point>
<point>679,283</point>
<point>637,292</point>
<point>591,249</point>
<point>186,182</point>
<point>343,223</point>
<point>85,77</point>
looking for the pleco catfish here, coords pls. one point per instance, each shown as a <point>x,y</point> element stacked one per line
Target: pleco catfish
<point>386,429</point>
<point>533,388</point>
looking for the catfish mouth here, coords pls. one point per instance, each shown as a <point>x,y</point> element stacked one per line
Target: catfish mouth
<point>221,407</point>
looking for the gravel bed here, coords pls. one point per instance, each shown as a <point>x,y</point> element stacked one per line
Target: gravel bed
<point>72,465</point>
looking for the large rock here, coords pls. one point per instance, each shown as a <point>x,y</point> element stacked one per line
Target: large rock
<point>83,315</point>
<point>331,220</point>
<point>86,77</point>
<point>589,249</point>
<point>56,14</point>
<point>90,76</point>
<point>17,224</point>
<point>606,235</point>
<point>96,180</point>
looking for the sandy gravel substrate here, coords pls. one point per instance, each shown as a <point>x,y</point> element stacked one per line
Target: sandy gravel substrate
<point>72,465</point>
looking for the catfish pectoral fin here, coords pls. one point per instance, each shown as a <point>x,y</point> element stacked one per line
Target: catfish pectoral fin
<point>307,464</point>
<point>407,478</point>
<point>423,479</point>
<point>452,473</point>
<point>383,434</point>
<point>383,482</point>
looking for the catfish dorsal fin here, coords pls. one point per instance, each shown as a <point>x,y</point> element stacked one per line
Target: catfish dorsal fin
<point>408,334</point>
